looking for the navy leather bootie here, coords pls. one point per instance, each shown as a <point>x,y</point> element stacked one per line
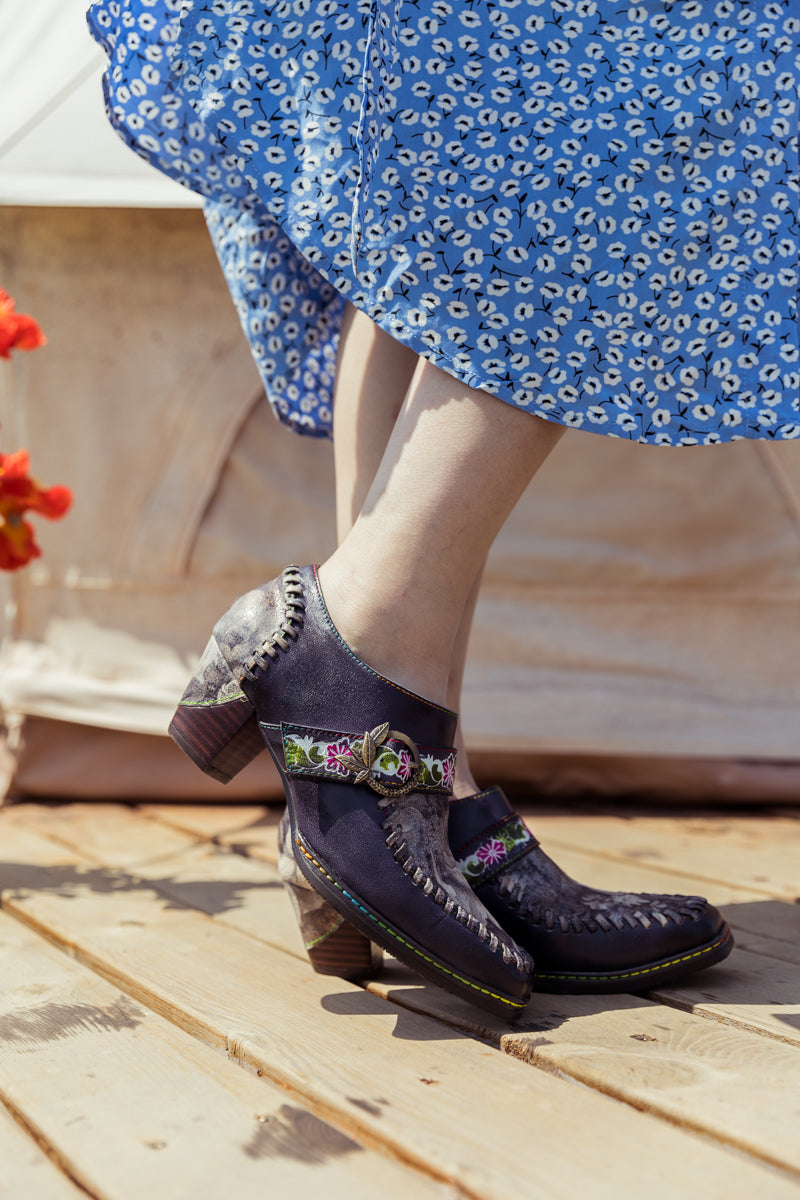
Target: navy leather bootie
<point>367,768</point>
<point>582,939</point>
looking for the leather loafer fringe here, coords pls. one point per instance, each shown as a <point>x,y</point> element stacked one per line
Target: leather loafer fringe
<point>367,768</point>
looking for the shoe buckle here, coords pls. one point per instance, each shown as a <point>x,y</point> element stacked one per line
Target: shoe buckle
<point>361,759</point>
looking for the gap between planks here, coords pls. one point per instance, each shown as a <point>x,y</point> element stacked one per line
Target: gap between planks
<point>578,1060</point>
<point>130,1104</point>
<point>169,959</point>
<point>29,1166</point>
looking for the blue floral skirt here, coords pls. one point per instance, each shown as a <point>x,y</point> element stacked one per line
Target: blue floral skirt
<point>588,208</point>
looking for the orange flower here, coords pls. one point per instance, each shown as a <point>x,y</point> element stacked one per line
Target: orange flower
<point>18,331</point>
<point>20,494</point>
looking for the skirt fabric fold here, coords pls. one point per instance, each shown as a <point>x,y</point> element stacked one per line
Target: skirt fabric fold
<point>588,208</point>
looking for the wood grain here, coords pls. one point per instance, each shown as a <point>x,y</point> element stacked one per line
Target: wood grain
<point>396,1080</point>
<point>26,1171</point>
<point>133,1106</point>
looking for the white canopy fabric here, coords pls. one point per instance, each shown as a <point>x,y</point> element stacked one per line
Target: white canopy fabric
<point>56,146</point>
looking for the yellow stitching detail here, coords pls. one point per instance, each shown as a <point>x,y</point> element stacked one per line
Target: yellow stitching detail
<point>632,974</point>
<point>397,938</point>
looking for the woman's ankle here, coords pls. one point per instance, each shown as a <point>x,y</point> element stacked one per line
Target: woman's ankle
<point>379,625</point>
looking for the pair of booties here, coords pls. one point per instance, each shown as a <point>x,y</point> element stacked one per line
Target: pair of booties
<point>372,849</point>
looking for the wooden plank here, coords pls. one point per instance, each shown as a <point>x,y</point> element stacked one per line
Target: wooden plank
<point>246,894</point>
<point>243,892</point>
<point>94,829</point>
<point>235,892</point>
<point>679,1066</point>
<point>695,1072</point>
<point>209,820</point>
<point>133,1106</point>
<point>26,1171</point>
<point>217,881</point>
<point>256,841</point>
<point>115,835</point>
<point>458,1110</point>
<point>761,853</point>
<point>752,991</point>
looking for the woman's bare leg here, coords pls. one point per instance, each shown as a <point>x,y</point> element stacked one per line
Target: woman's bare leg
<point>455,465</point>
<point>373,375</point>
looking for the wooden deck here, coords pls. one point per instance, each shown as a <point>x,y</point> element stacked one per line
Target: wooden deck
<point>162,1035</point>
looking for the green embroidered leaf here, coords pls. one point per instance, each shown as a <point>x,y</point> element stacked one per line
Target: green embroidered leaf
<point>295,756</point>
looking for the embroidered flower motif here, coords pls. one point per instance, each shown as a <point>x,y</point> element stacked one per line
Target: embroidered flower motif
<point>405,765</point>
<point>448,771</point>
<point>20,494</point>
<point>491,852</point>
<point>332,750</point>
<point>18,331</point>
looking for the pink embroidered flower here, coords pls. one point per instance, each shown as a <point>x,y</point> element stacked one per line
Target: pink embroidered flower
<point>331,762</point>
<point>448,771</point>
<point>491,852</point>
<point>405,765</point>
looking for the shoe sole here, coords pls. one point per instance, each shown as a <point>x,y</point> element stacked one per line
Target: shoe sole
<point>641,978</point>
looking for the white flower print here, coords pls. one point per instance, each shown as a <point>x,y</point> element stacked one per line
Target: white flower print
<point>607,192</point>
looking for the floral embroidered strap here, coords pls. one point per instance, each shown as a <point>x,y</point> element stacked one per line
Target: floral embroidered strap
<point>494,849</point>
<point>385,759</point>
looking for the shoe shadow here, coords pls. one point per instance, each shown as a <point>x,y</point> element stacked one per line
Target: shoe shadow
<point>455,1017</point>
<point>21,881</point>
<point>411,1024</point>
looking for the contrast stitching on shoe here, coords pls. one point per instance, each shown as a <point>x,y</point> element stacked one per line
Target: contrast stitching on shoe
<point>439,896</point>
<point>662,966</point>
<point>473,796</point>
<point>397,687</point>
<point>289,625</point>
<point>615,916</point>
<point>388,930</point>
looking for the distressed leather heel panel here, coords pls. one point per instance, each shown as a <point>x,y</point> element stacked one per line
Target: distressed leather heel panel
<point>248,624</point>
<point>212,682</point>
